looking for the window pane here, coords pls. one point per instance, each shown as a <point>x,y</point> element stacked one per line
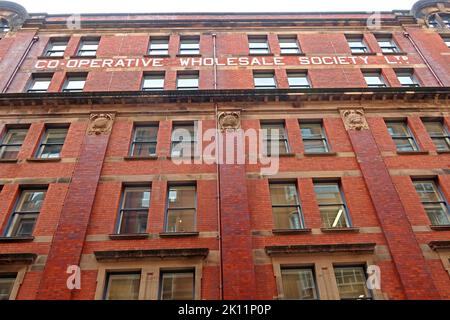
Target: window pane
<point>311,130</point>
<point>9,152</point>
<point>181,197</point>
<point>183,132</point>
<point>40,84</point>
<point>273,131</point>
<point>298,80</point>
<point>435,128</point>
<point>181,220</point>
<point>12,143</point>
<point>334,216</point>
<point>286,218</point>
<point>23,225</point>
<point>283,194</point>
<point>177,286</point>
<point>138,198</point>
<point>75,84</point>
<point>133,222</point>
<point>315,146</point>
<point>6,286</point>
<point>56,136</point>
<point>406,79</point>
<point>427,191</point>
<point>299,284</point>
<point>123,286</point>
<point>153,82</point>
<point>438,214</point>
<point>327,193</point>
<point>373,79</point>
<point>141,149</point>
<point>50,151</point>
<point>187,81</point>
<point>31,201</point>
<point>442,144</point>
<point>265,80</point>
<point>146,134</point>
<point>405,144</point>
<point>351,282</point>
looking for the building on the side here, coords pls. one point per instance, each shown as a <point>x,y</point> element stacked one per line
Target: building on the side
<point>348,179</point>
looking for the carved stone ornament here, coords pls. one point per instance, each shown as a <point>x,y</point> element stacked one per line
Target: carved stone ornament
<point>354,120</point>
<point>229,121</point>
<point>100,123</point>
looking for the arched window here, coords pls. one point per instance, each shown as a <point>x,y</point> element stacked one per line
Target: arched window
<point>439,20</point>
<point>4,26</point>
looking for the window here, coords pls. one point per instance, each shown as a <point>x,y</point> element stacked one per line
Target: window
<point>434,203</point>
<point>6,285</point>
<point>374,79</point>
<point>189,45</point>
<point>402,136</point>
<point>25,214</point>
<point>299,284</point>
<point>439,134</point>
<point>439,20</point>
<point>122,286</point>
<point>286,206</point>
<point>177,285</point>
<point>12,142</point>
<point>153,82</point>
<point>159,46</point>
<point>447,41</point>
<point>275,141</point>
<point>184,139</point>
<point>74,83</point>
<point>387,44</point>
<point>144,141</point>
<point>134,210</point>
<point>181,208</point>
<point>39,83</point>
<point>407,78</point>
<point>314,138</point>
<point>298,80</point>
<point>187,81</point>
<point>4,25</point>
<point>52,143</point>
<point>264,80</point>
<point>357,44</point>
<point>289,45</point>
<point>56,48</point>
<point>333,210</point>
<point>88,47</point>
<point>258,45</point>
<point>351,282</point>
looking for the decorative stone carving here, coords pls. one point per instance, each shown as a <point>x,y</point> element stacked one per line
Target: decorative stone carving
<point>354,120</point>
<point>100,123</point>
<point>230,120</point>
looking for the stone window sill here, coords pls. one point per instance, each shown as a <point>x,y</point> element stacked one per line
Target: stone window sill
<point>178,234</point>
<point>189,55</point>
<point>300,54</point>
<point>412,152</point>
<point>8,160</point>
<point>50,58</point>
<point>132,236</point>
<point>130,158</point>
<point>440,228</point>
<point>364,53</point>
<point>17,239</point>
<point>443,151</point>
<point>290,231</point>
<point>330,230</point>
<point>157,56</point>
<point>395,53</point>
<point>83,57</point>
<point>43,160</point>
<point>320,154</point>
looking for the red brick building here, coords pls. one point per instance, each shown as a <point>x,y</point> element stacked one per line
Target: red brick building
<point>91,187</point>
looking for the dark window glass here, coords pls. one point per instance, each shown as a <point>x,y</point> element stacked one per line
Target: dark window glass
<point>274,139</point>
<point>181,208</point>
<point>6,285</point>
<point>402,136</point>
<point>56,48</point>
<point>434,203</point>
<point>11,143</point>
<point>264,80</point>
<point>153,82</point>
<point>190,45</point>
<point>88,48</point>
<point>314,138</point>
<point>177,285</point>
<point>184,140</point>
<point>144,141</point>
<point>289,44</point>
<point>333,210</point>
<point>122,286</point>
<point>286,206</point>
<point>134,210</point>
<point>439,134</point>
<point>159,46</point>
<point>258,45</point>
<point>299,284</point>
<point>52,143</point>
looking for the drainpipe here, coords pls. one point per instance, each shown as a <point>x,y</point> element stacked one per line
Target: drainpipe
<point>22,59</point>
<point>218,155</point>
<point>422,56</point>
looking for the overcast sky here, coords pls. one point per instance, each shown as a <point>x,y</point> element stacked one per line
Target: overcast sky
<point>130,6</point>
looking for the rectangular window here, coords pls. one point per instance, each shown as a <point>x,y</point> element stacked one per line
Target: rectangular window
<point>374,79</point>
<point>134,210</point>
<point>39,83</point>
<point>187,81</point>
<point>402,136</point>
<point>177,285</point>
<point>351,282</point>
<point>122,286</point>
<point>286,209</point>
<point>289,45</point>
<point>56,48</point>
<point>12,142</point>
<point>314,137</point>
<point>6,285</point>
<point>181,208</point>
<point>439,134</point>
<point>264,80</point>
<point>144,141</point>
<point>434,203</point>
<point>88,47</point>
<point>189,45</point>
<point>153,82</point>
<point>258,45</point>
<point>387,44</point>
<point>274,139</point>
<point>298,80</point>
<point>159,46</point>
<point>299,284</point>
<point>333,209</point>
<point>25,214</point>
<point>447,41</point>
<point>407,78</point>
<point>357,44</point>
<point>74,83</point>
<point>184,139</point>
<point>52,143</point>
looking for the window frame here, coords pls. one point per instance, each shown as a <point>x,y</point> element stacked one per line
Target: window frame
<point>393,48</point>
<point>370,294</point>
<point>4,26</point>
<point>323,138</point>
<point>298,206</point>
<point>343,204</point>
<point>251,39</point>
<point>294,39</point>
<point>42,144</point>
<point>74,78</point>
<point>6,133</point>
<point>189,51</point>
<point>45,77</point>
<point>133,142</point>
<point>268,138</point>
<point>11,225</point>
<point>410,137</point>
<point>153,75</point>
<point>259,75</point>
<point>407,73</point>
<point>301,267</point>
<point>168,208</point>
<point>440,195</point>
<point>163,271</point>
<point>194,139</point>
<point>193,75</point>
<point>53,42</point>
<point>445,136</point>
<point>121,272</point>
<point>304,74</point>
<point>158,52</point>
<point>123,210</point>
<point>362,49</point>
<point>88,41</point>
<point>375,74</point>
